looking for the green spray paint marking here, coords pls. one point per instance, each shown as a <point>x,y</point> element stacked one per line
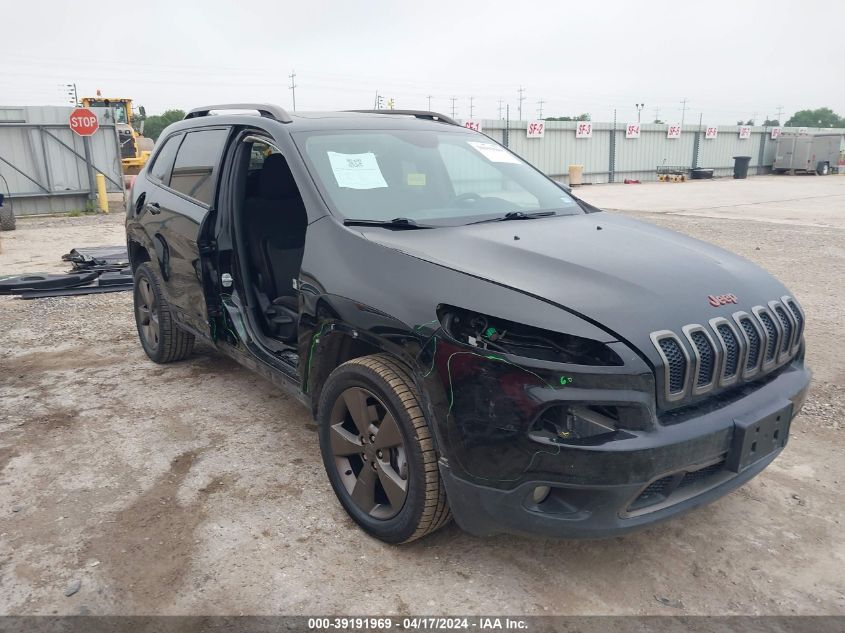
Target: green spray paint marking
<point>433,358</point>
<point>422,325</point>
<point>452,403</point>
<point>314,340</point>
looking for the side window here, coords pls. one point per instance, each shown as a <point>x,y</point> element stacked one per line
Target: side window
<point>160,171</point>
<point>196,161</point>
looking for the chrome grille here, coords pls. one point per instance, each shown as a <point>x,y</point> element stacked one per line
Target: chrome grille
<point>677,364</point>
<point>707,358</point>
<point>786,324</point>
<point>753,356</point>
<point>729,352</point>
<point>771,336</point>
<point>799,318</point>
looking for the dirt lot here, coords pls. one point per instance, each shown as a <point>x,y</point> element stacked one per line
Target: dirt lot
<point>198,488</point>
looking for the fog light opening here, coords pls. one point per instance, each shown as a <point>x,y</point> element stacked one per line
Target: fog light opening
<point>568,424</point>
<point>540,494</point>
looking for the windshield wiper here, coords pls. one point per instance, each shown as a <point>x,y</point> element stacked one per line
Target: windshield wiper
<point>518,215</point>
<point>395,223</point>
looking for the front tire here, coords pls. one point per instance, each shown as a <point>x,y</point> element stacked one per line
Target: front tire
<point>160,337</point>
<point>378,451</point>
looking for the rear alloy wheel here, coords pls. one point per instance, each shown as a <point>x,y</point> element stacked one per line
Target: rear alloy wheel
<point>160,337</point>
<point>378,451</point>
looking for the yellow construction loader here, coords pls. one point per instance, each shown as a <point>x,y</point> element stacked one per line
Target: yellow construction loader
<point>135,148</point>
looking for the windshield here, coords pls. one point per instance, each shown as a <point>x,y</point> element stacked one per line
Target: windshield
<point>118,108</point>
<point>436,178</point>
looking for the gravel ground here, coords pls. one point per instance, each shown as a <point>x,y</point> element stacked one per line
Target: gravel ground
<point>197,488</point>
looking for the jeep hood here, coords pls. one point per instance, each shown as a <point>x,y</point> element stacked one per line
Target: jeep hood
<point>629,277</point>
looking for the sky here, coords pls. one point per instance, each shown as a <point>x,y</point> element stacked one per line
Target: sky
<point>729,60</point>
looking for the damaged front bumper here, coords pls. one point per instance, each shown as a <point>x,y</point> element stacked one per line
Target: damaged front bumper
<point>492,469</point>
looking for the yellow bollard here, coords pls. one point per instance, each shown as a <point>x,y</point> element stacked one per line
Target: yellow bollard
<point>102,200</point>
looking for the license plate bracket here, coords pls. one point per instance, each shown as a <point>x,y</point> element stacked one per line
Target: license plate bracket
<point>756,437</point>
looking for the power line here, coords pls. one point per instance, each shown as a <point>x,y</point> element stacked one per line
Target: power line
<point>293,87</point>
<point>521,92</point>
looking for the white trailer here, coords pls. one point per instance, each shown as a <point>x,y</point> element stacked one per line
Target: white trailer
<point>819,152</point>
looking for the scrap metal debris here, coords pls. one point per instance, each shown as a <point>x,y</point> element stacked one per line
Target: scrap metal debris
<point>95,269</point>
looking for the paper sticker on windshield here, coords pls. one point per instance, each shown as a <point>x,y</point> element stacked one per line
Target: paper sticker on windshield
<point>494,153</point>
<point>416,180</point>
<point>356,171</point>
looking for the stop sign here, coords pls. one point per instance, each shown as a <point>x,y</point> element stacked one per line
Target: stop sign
<point>84,122</point>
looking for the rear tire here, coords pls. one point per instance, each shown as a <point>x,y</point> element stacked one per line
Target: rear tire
<point>7,219</point>
<point>823,169</point>
<point>160,337</point>
<point>380,459</point>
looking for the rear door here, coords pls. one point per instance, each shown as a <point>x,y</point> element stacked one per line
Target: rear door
<point>178,207</point>
<point>783,152</point>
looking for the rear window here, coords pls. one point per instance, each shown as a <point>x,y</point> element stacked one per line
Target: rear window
<point>196,163</point>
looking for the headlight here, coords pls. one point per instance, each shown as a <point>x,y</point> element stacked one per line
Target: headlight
<point>507,337</point>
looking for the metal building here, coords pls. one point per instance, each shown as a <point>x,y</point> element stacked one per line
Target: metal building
<point>46,165</point>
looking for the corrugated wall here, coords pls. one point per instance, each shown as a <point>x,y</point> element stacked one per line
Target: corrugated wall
<point>44,160</point>
<point>637,159</point>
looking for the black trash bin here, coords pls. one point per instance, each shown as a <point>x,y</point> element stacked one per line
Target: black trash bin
<point>741,166</point>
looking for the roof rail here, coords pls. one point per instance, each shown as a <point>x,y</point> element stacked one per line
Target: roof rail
<point>420,114</point>
<point>267,110</point>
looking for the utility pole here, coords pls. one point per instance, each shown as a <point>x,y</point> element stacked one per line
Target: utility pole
<point>471,108</point>
<point>506,136</point>
<point>377,103</point>
<point>453,105</point>
<point>657,113</point>
<point>540,109</point>
<point>429,103</point>
<point>500,108</point>
<point>640,107</point>
<point>780,114</point>
<point>684,109</point>
<point>521,92</point>
<point>293,87</point>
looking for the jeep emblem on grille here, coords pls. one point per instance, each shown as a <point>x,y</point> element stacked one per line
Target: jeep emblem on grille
<point>720,300</point>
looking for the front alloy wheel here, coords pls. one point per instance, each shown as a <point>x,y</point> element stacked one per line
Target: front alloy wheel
<point>369,453</point>
<point>378,450</point>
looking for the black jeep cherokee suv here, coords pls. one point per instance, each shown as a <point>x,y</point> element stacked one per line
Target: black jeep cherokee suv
<point>473,340</point>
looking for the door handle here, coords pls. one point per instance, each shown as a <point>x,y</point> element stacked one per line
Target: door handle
<point>154,208</point>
